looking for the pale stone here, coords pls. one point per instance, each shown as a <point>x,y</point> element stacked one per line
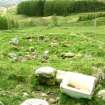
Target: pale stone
<point>46,71</point>
<point>14,41</point>
<point>68,55</point>
<point>46,75</point>
<point>78,85</point>
<point>35,102</point>
<point>45,55</point>
<point>13,56</point>
<point>52,101</point>
<point>101,94</point>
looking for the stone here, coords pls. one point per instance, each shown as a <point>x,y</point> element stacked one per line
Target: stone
<point>46,75</point>
<point>54,44</point>
<point>13,56</point>
<point>78,85</point>
<point>101,94</point>
<point>45,55</point>
<point>35,102</point>
<point>14,41</point>
<point>44,95</point>
<point>67,55</point>
<point>52,101</point>
<point>25,94</point>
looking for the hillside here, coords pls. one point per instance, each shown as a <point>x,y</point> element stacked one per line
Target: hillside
<point>82,34</point>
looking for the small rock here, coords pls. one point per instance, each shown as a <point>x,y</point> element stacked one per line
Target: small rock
<point>44,95</point>
<point>46,72</point>
<point>35,102</point>
<point>54,44</point>
<point>101,94</point>
<point>13,56</point>
<point>25,94</point>
<point>52,101</point>
<point>14,41</point>
<point>45,56</point>
<point>67,55</point>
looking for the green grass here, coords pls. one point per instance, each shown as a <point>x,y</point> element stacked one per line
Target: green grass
<point>81,38</point>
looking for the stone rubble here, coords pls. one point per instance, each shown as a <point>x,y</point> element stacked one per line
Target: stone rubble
<point>73,84</point>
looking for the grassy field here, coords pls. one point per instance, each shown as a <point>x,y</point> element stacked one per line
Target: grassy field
<point>80,37</point>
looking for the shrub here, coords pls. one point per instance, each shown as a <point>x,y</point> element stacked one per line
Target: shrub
<point>31,8</point>
<point>3,22</point>
<point>91,16</point>
<point>7,23</point>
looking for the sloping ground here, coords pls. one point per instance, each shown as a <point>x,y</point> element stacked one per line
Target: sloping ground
<point>16,78</point>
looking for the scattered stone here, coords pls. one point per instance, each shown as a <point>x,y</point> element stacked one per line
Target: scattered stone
<point>54,44</point>
<point>52,101</point>
<point>14,41</point>
<point>44,95</point>
<point>45,56</point>
<point>46,75</point>
<point>13,56</point>
<point>78,85</point>
<point>35,102</point>
<point>66,44</point>
<point>101,94</point>
<point>25,94</point>
<point>67,55</point>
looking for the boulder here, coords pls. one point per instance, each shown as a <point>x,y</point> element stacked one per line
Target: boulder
<point>101,94</point>
<point>46,75</point>
<point>78,85</point>
<point>35,102</point>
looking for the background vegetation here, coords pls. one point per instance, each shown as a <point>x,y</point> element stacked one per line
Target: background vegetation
<point>60,8</point>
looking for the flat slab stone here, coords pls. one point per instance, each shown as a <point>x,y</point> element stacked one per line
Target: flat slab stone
<point>35,102</point>
<point>46,72</point>
<point>78,85</point>
<point>46,75</point>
